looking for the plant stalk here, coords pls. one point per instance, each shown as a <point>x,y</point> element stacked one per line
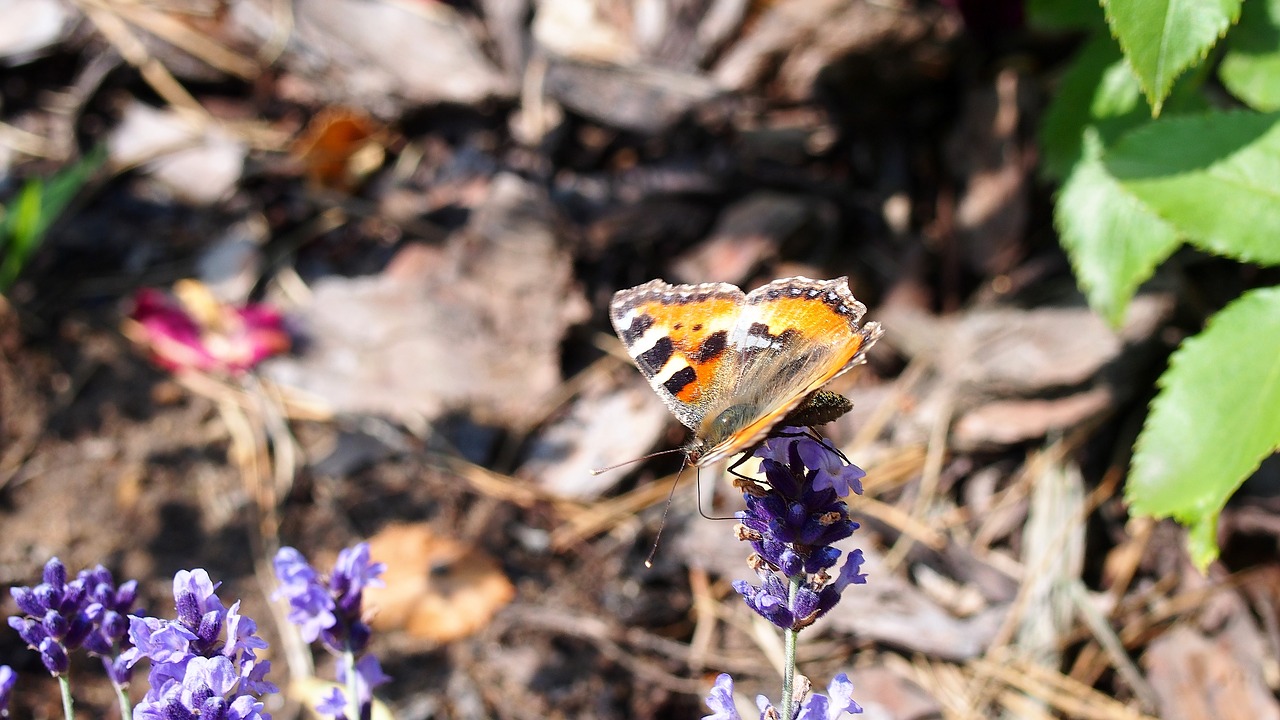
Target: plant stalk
<point>64,684</point>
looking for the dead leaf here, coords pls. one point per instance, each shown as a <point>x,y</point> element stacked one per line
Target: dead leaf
<point>340,148</point>
<point>442,333</point>
<point>437,588</point>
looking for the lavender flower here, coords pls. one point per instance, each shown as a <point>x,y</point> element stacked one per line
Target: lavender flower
<point>54,619</point>
<point>368,676</point>
<point>837,702</point>
<point>203,693</point>
<point>792,523</point>
<point>108,606</point>
<point>793,519</point>
<point>204,663</point>
<point>332,611</point>
<point>8,678</point>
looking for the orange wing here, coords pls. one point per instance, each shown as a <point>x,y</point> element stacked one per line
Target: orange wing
<point>678,337</point>
<point>793,336</point>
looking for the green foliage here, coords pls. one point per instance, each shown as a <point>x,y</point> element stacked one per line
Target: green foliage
<point>1114,240</point>
<point>1214,177</point>
<point>1162,38</point>
<point>25,221</point>
<point>1214,420</point>
<point>1251,66</point>
<point>1137,185</point>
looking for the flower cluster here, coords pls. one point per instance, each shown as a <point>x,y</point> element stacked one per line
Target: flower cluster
<point>792,521</point>
<point>792,524</point>
<point>8,678</point>
<point>60,616</point>
<point>191,330</point>
<point>331,612</point>
<point>204,664</point>
<point>837,701</point>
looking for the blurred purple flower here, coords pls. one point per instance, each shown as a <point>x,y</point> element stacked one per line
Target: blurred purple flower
<point>329,612</point>
<point>333,704</point>
<point>203,693</point>
<point>193,331</point>
<point>720,700</point>
<point>332,612</point>
<point>837,702</point>
<point>8,678</point>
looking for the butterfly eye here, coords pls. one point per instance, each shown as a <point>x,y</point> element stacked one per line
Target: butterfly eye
<point>729,421</point>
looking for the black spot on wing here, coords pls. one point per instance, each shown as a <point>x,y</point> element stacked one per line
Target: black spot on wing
<point>680,380</point>
<point>657,356</point>
<point>639,326</point>
<point>712,348</point>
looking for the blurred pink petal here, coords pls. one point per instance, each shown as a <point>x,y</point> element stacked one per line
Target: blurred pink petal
<point>231,340</point>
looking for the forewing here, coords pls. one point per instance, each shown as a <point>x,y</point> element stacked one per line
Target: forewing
<point>678,336</point>
<point>793,336</point>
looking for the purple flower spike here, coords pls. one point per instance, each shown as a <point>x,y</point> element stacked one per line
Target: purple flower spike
<point>333,704</point>
<point>331,611</point>
<point>204,664</point>
<point>721,700</point>
<point>792,521</point>
<point>61,616</point>
<point>328,611</point>
<point>8,678</point>
<point>835,704</point>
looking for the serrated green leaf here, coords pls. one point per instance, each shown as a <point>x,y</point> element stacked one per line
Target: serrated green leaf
<point>1214,177</point>
<point>1162,38</point>
<point>1251,66</point>
<point>1214,420</point>
<point>1114,241</point>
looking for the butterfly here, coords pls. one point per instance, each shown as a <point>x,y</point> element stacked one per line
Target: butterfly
<point>731,366</point>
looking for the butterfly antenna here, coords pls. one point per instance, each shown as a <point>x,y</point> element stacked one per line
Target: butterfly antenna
<point>599,471</point>
<point>648,561</point>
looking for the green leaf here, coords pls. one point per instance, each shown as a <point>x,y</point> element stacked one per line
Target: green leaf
<point>22,232</point>
<point>1215,177</point>
<point>1064,15</point>
<point>1114,240</point>
<point>1251,66</point>
<point>1099,90</point>
<point>1162,38</point>
<point>1214,420</point>
<point>38,205</point>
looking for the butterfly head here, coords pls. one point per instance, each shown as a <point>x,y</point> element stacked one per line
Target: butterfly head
<point>719,435</point>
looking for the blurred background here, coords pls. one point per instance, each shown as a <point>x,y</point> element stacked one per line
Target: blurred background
<point>307,272</point>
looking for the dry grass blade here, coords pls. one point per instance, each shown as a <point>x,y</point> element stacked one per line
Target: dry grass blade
<point>1110,642</point>
<point>1060,692</point>
<point>602,516</point>
<point>183,36</point>
<point>27,143</point>
<point>891,473</point>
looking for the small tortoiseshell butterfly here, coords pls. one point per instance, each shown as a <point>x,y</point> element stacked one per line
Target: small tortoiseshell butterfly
<point>731,366</point>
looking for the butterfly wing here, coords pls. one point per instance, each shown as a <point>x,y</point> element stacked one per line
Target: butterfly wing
<point>678,335</point>
<point>792,337</point>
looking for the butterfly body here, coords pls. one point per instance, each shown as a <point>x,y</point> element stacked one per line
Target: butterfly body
<point>732,365</point>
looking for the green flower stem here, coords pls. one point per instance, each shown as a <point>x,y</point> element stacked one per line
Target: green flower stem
<point>353,700</point>
<point>67,711</point>
<point>789,650</point>
<point>126,708</point>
